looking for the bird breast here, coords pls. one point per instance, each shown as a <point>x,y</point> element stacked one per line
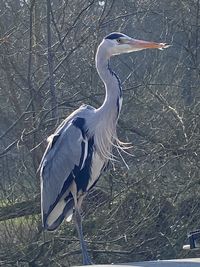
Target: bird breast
<point>105,133</point>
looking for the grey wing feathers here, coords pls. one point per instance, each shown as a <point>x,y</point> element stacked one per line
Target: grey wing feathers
<point>63,153</point>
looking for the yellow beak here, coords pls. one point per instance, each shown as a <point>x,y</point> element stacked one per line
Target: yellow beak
<point>140,44</point>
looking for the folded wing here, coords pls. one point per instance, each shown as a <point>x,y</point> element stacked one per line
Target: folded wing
<point>65,156</point>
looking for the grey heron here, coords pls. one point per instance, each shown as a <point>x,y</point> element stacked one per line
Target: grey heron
<point>81,147</point>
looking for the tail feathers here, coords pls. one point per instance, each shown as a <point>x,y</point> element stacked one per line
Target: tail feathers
<point>61,211</point>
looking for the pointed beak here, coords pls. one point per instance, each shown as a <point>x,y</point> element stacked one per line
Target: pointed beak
<point>140,45</point>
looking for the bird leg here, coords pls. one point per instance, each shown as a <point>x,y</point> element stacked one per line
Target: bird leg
<point>78,223</point>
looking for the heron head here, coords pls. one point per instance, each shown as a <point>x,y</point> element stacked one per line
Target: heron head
<point>118,43</point>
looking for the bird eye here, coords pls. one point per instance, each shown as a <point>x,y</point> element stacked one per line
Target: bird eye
<point>119,40</point>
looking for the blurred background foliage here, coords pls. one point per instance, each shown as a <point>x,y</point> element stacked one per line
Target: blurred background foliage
<point>46,71</point>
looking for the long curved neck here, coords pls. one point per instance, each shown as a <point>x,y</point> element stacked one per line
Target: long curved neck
<point>113,98</point>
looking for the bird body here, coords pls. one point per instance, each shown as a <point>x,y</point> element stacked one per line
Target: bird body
<point>81,147</point>
<point>74,153</point>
